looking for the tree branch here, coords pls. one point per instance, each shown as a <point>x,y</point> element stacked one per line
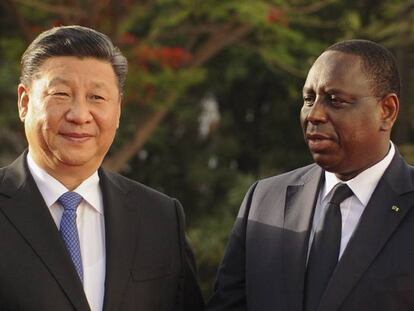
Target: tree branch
<point>56,9</point>
<point>223,37</point>
<point>118,161</point>
<point>311,8</point>
<point>189,30</point>
<point>227,35</point>
<point>286,67</point>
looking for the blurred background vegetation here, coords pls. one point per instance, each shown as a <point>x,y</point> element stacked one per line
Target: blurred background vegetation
<point>213,92</point>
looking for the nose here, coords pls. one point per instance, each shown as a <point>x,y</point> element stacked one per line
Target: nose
<point>79,112</point>
<point>316,113</point>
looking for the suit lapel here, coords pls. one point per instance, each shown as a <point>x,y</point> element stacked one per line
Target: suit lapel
<point>300,202</point>
<point>376,226</point>
<point>120,231</point>
<point>25,208</point>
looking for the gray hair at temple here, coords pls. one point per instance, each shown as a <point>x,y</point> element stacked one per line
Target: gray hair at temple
<point>378,63</point>
<point>77,41</point>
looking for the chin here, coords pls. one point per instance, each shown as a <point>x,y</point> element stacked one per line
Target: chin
<point>75,159</point>
<point>74,162</point>
<point>324,162</point>
<point>341,171</point>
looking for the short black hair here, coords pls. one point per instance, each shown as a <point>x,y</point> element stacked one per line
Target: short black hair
<point>377,61</point>
<point>77,41</point>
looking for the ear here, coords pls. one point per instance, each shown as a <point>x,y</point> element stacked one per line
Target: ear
<point>22,100</point>
<point>119,111</point>
<point>390,106</point>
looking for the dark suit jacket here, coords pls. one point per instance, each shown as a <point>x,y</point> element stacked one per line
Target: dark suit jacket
<point>148,264</point>
<point>264,265</point>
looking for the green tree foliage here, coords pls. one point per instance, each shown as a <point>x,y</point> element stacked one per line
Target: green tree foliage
<point>213,92</point>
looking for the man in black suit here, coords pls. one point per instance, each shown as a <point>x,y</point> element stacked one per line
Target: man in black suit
<point>72,235</point>
<point>300,242</point>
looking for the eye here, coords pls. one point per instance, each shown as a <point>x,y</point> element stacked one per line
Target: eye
<point>63,94</point>
<point>308,100</point>
<point>336,101</point>
<point>96,97</point>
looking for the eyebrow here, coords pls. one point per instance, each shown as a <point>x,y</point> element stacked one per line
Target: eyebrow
<point>335,91</point>
<point>58,80</point>
<point>99,85</point>
<point>325,90</point>
<point>307,90</point>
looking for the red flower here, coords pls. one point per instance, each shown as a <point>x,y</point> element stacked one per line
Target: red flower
<point>276,15</point>
<point>128,38</point>
<point>165,57</point>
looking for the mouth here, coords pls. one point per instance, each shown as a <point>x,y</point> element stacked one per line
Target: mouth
<point>76,137</point>
<point>318,142</point>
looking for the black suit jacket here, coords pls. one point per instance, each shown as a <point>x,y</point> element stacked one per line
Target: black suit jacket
<point>149,266</point>
<point>265,261</point>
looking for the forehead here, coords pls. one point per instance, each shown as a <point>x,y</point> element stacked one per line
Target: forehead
<point>77,70</point>
<point>338,70</point>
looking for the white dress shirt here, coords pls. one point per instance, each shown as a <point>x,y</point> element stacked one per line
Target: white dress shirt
<point>362,185</point>
<point>90,223</point>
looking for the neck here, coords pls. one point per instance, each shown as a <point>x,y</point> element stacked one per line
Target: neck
<point>70,181</point>
<point>71,176</point>
<point>347,175</point>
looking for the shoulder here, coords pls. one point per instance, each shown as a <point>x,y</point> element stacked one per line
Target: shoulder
<point>130,185</point>
<point>140,195</point>
<point>269,192</point>
<point>14,175</point>
<point>399,174</point>
<point>298,176</point>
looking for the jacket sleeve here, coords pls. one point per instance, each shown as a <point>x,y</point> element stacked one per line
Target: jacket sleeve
<point>189,296</point>
<point>230,287</point>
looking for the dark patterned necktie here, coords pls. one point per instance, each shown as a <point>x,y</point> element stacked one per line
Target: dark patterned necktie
<point>324,253</point>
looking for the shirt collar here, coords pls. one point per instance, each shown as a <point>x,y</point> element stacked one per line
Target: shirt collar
<point>364,184</point>
<point>51,189</point>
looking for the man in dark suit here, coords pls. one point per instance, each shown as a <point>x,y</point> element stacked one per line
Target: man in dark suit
<point>72,235</point>
<point>302,242</point>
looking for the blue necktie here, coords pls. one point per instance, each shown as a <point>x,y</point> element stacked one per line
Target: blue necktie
<point>69,230</point>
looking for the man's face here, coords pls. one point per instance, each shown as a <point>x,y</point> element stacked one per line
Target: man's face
<point>71,112</point>
<point>341,118</point>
